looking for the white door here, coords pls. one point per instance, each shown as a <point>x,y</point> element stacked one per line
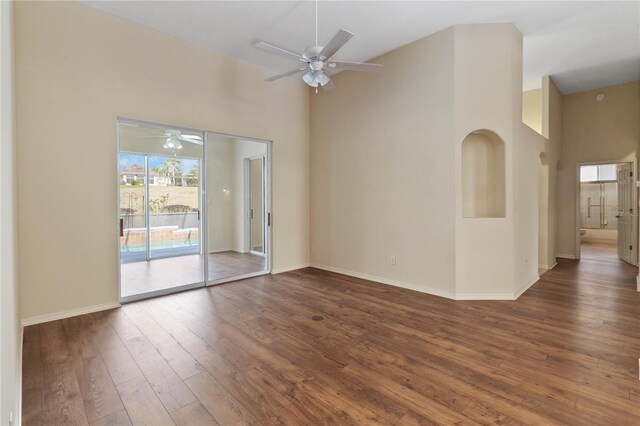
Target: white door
<point>625,213</point>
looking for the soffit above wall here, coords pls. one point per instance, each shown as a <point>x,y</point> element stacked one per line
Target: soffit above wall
<point>584,44</point>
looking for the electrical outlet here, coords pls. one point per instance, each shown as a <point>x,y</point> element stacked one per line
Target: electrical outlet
<point>394,260</point>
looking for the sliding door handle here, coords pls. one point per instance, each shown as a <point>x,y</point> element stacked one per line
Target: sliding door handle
<point>269,219</point>
<point>121,227</point>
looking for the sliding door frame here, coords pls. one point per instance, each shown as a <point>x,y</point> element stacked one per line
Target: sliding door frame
<point>204,234</point>
<point>203,247</point>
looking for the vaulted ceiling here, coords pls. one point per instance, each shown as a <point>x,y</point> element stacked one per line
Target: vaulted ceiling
<point>582,45</point>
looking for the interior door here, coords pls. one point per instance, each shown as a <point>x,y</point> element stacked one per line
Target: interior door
<point>256,209</point>
<point>625,213</point>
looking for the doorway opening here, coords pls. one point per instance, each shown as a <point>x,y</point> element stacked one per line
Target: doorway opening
<point>607,219</point>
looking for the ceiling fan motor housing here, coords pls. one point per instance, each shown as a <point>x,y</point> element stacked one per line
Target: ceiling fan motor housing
<point>312,54</point>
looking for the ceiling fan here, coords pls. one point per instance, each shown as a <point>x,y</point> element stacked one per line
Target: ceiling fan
<point>317,60</point>
<point>173,138</point>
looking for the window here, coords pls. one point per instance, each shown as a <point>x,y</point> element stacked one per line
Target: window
<point>605,172</point>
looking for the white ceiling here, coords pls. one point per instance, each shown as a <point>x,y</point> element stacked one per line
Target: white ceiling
<point>582,45</point>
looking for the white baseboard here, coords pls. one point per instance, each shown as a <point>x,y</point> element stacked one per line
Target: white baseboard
<point>289,268</point>
<point>547,267</point>
<point>428,290</point>
<point>527,286</point>
<point>497,296</point>
<point>566,256</point>
<point>67,314</point>
<point>18,416</point>
<point>397,283</point>
<point>484,296</point>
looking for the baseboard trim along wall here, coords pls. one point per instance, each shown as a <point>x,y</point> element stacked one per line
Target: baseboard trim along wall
<point>17,417</point>
<point>498,296</point>
<point>527,286</point>
<point>68,314</point>
<point>566,256</point>
<point>289,268</point>
<point>547,267</point>
<point>428,290</point>
<point>397,283</point>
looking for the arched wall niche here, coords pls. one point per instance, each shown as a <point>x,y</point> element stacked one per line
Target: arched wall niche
<point>483,175</point>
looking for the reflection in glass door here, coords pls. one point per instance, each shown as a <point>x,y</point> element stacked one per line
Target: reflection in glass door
<point>237,208</point>
<point>255,235</point>
<point>160,196</point>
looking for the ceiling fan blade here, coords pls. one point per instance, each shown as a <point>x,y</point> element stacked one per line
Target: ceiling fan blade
<point>328,86</point>
<point>286,74</point>
<point>194,141</point>
<point>355,66</point>
<point>278,50</point>
<point>338,40</point>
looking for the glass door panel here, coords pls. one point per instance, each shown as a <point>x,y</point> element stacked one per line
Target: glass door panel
<point>133,222</point>
<point>174,206</point>
<point>237,206</point>
<point>160,195</point>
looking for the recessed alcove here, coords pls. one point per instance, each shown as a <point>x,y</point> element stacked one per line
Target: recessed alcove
<point>483,175</point>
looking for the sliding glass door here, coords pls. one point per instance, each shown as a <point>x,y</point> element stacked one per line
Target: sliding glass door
<point>160,194</point>
<point>171,236</point>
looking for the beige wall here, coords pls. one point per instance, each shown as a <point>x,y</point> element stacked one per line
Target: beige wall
<point>532,109</point>
<point>382,149</point>
<point>77,70</point>
<point>495,257</point>
<point>593,131</point>
<point>10,330</point>
<point>552,131</point>
<point>386,169</point>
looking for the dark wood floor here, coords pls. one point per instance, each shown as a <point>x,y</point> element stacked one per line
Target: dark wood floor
<point>600,251</point>
<point>312,347</point>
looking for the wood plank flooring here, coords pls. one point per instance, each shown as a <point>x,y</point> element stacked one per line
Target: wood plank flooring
<point>313,347</point>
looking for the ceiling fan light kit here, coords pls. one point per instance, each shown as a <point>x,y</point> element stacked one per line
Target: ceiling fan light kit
<point>317,59</point>
<point>172,143</point>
